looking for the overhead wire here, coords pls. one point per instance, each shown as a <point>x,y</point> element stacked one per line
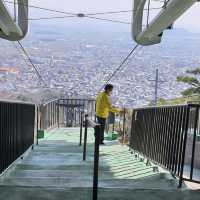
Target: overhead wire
<point>72,13</point>
<point>41,8</point>
<point>120,66</point>
<point>47,18</point>
<point>121,11</point>
<point>32,64</point>
<point>89,15</point>
<point>108,20</point>
<point>95,18</point>
<point>20,53</point>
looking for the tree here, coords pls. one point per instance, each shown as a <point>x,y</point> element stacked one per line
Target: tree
<point>192,81</point>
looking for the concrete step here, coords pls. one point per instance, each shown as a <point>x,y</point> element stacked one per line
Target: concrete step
<point>77,167</point>
<point>68,159</point>
<point>54,170</point>
<point>44,193</point>
<point>85,180</point>
<point>82,171</point>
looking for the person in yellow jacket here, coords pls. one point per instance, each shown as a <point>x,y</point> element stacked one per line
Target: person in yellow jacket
<point>103,107</point>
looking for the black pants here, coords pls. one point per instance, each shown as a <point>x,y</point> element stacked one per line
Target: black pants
<point>102,122</point>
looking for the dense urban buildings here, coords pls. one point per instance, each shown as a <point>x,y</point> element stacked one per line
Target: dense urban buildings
<point>76,61</point>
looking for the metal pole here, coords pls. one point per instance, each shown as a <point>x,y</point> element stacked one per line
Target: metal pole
<point>38,110</point>
<point>194,142</point>
<point>184,146</point>
<point>96,163</point>
<point>156,88</point>
<point>85,138</point>
<point>58,113</point>
<point>157,81</point>
<point>124,123</point>
<point>81,129</point>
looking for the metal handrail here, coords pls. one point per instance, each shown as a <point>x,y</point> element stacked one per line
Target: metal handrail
<point>91,123</point>
<point>162,106</point>
<point>161,135</point>
<point>16,102</point>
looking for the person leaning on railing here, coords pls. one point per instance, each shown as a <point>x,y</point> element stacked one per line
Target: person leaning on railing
<point>103,107</point>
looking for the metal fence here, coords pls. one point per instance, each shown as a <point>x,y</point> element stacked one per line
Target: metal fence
<point>70,111</point>
<point>48,115</point>
<point>16,131</point>
<point>192,152</point>
<point>161,134</point>
<point>64,112</point>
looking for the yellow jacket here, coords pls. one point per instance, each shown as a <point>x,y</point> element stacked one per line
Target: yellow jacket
<point>103,105</point>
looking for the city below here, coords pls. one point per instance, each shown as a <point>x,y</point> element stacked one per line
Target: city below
<point>75,61</point>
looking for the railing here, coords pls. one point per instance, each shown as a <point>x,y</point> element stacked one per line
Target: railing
<point>48,115</point>
<point>90,123</point>
<point>168,136</point>
<point>64,112</point>
<point>70,111</point>
<point>121,123</point>
<point>192,158</point>
<point>17,123</point>
<point>16,131</point>
<point>160,134</point>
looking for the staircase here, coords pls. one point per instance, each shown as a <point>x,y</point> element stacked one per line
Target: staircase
<point>54,170</point>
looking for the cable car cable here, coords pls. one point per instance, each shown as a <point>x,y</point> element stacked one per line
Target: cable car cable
<point>120,66</point>
<point>32,64</point>
<point>75,14</point>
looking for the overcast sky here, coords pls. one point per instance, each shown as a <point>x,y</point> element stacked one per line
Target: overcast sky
<point>190,20</point>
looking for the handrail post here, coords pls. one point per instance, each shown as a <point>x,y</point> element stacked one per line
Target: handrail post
<point>124,126</point>
<point>81,129</point>
<point>194,141</point>
<point>37,142</point>
<point>85,138</point>
<point>184,147</point>
<point>58,114</point>
<point>96,162</point>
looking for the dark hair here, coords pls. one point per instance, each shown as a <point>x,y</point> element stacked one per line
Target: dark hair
<point>108,87</point>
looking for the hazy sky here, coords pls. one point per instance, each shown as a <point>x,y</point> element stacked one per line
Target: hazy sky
<point>190,20</point>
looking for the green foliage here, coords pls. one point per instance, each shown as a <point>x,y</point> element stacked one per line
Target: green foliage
<point>192,81</point>
<point>195,71</point>
<point>178,101</point>
<point>191,91</point>
<point>190,94</point>
<point>189,80</point>
<point>161,101</point>
<point>175,101</point>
